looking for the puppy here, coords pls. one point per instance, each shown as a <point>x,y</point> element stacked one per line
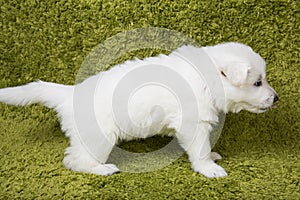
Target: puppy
<point>102,110</point>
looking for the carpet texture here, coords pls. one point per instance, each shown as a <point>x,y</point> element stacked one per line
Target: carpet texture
<point>49,40</point>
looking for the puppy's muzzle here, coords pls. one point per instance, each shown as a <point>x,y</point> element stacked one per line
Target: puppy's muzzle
<point>276,98</point>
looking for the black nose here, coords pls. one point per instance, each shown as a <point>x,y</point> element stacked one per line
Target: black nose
<point>276,98</point>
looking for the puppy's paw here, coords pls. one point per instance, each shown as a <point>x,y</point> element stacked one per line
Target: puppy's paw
<point>105,169</point>
<point>215,156</point>
<point>209,168</point>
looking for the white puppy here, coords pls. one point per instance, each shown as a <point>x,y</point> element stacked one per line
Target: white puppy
<point>92,117</point>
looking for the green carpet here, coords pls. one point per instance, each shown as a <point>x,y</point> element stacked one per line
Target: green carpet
<point>49,40</point>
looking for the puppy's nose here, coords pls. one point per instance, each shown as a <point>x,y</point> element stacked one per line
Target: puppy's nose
<point>276,98</point>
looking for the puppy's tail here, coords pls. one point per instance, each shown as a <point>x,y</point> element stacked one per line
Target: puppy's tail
<point>49,94</point>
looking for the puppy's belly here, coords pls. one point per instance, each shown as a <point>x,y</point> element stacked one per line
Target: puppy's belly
<point>151,109</point>
<point>143,114</point>
<point>144,123</point>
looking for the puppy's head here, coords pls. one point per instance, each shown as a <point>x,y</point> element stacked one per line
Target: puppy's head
<point>242,72</point>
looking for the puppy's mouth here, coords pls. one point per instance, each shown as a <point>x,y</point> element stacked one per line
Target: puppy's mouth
<point>267,108</point>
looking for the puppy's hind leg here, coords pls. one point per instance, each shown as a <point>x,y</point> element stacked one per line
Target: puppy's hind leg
<point>89,156</point>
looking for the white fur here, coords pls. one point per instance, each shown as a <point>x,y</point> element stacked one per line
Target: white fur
<point>239,68</point>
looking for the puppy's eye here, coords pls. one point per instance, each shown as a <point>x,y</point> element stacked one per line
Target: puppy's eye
<point>258,83</point>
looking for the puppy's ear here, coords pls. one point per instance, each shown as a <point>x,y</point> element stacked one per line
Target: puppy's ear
<point>236,73</point>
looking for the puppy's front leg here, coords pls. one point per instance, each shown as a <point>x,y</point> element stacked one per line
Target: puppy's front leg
<point>198,148</point>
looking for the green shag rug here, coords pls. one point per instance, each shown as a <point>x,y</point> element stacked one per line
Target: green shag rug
<point>49,40</point>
